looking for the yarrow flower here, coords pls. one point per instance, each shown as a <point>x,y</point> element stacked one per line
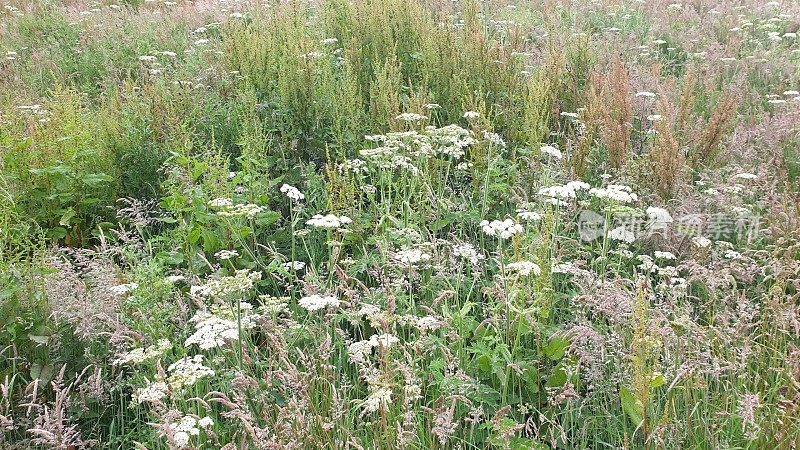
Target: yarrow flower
<point>411,117</point>
<point>622,234</point>
<point>316,302</point>
<point>471,115</point>
<point>504,229</point>
<point>226,254</point>
<point>552,151</point>
<point>213,329</point>
<point>615,192</point>
<point>525,268</point>
<point>188,371</point>
<point>328,221</point>
<point>140,355</point>
<point>152,393</point>
<point>292,192</point>
<point>468,252</point>
<point>411,257</point>
<point>702,242</point>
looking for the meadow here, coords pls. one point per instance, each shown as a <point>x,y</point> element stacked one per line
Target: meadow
<point>399,224</point>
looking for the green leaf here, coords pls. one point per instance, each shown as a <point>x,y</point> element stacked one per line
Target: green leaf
<point>556,348</point>
<point>557,379</point>
<point>44,372</point>
<point>657,380</point>
<point>632,406</point>
<point>57,233</point>
<point>41,340</point>
<point>66,217</point>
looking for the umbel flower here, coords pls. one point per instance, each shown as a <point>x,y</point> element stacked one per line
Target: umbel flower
<point>292,192</point>
<point>328,221</point>
<point>525,268</point>
<point>503,229</point>
<point>316,302</point>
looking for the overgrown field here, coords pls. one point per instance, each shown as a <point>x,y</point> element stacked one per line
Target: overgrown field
<point>391,224</point>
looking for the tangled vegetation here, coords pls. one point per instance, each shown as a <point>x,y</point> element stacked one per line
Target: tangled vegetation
<point>380,224</point>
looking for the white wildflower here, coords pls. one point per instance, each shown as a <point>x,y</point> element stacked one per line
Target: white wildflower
<point>223,255</point>
<point>188,371</point>
<point>622,234</point>
<point>152,393</point>
<point>702,242</point>
<point>468,252</point>
<point>503,229</point>
<point>525,268</point>
<point>317,302</point>
<point>552,151</point>
<point>412,256</point>
<point>663,255</point>
<point>328,221</point>
<point>292,192</point>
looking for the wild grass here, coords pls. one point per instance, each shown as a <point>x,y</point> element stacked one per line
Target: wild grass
<point>399,224</point>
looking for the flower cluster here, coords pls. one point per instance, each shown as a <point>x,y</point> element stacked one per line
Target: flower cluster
<point>213,329</point>
<point>615,192</point>
<point>503,229</point>
<point>226,208</point>
<point>359,351</point>
<point>140,355</point>
<point>468,252</point>
<point>411,257</point>
<point>188,371</point>
<point>524,268</point>
<point>328,221</point>
<point>316,302</point>
<point>292,192</point>
<point>242,281</point>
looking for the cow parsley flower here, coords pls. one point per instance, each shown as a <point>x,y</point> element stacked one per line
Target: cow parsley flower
<point>663,255</point>
<point>615,192</point>
<point>292,192</point>
<point>328,221</point>
<point>213,329</point>
<point>503,229</point>
<point>223,255</point>
<point>525,268</point>
<point>471,115</point>
<point>316,302</point>
<point>151,393</point>
<point>411,117</point>
<point>379,399</point>
<point>702,242</point>
<point>529,216</point>
<point>468,252</point>
<point>188,371</point>
<point>140,355</point>
<point>294,265</point>
<point>206,422</point>
<point>411,257</point>
<point>552,151</point>
<point>622,234</point>
<point>494,138</point>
